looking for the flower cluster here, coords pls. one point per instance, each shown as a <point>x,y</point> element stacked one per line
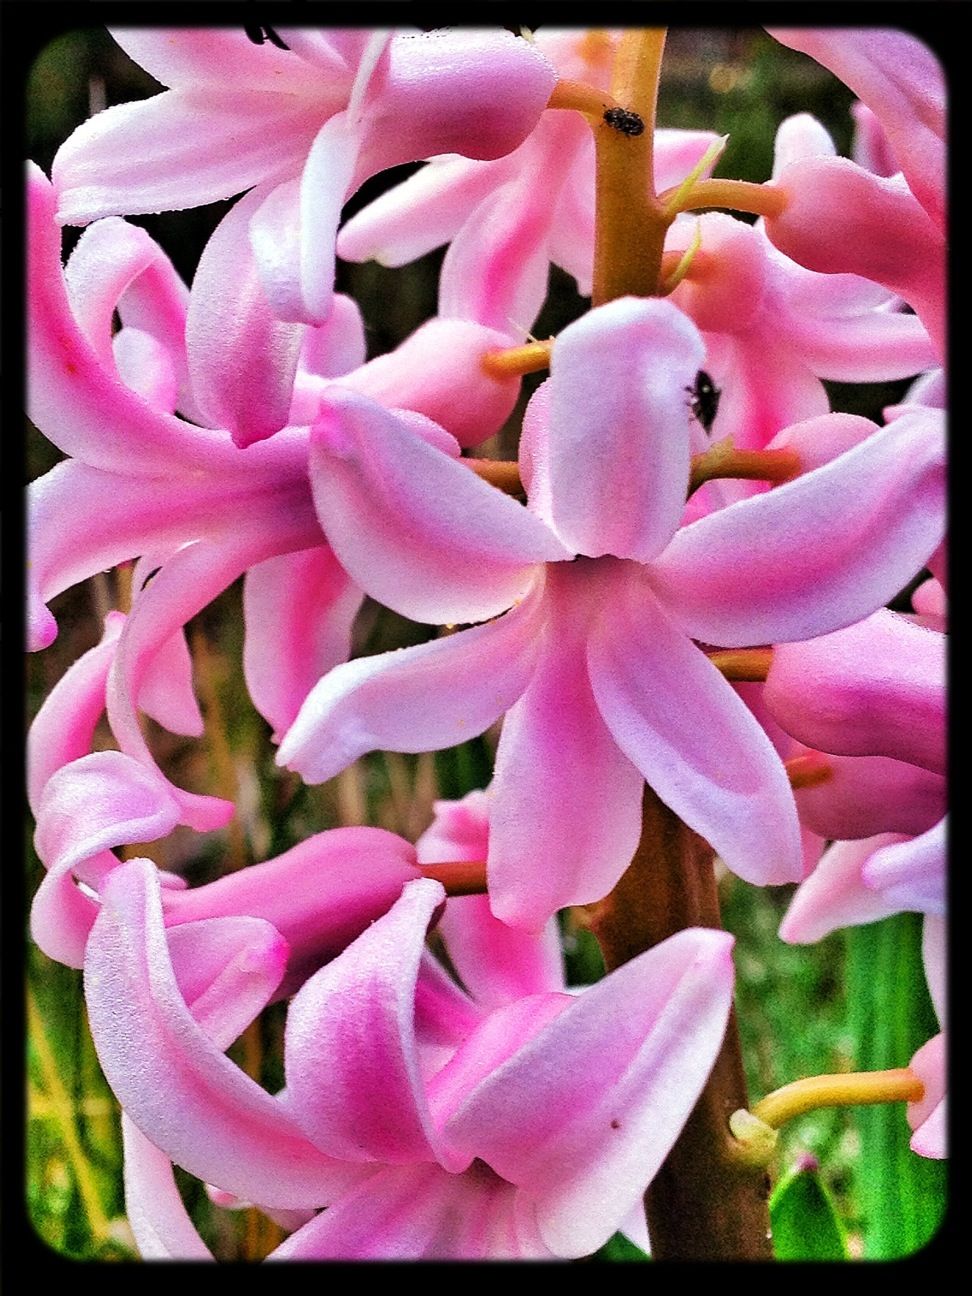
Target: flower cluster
<point>682,580</point>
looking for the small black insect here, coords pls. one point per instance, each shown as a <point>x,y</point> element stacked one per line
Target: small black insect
<point>259,35</point>
<point>704,399</point>
<point>625,121</point>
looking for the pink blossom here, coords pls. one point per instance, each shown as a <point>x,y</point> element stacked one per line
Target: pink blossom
<point>309,124</point>
<point>429,1126</point>
<point>596,663</point>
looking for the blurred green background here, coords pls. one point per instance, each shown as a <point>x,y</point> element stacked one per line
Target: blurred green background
<point>802,1010</point>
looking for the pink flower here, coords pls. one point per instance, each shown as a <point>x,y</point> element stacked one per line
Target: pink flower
<point>596,663</point>
<point>307,124</point>
<point>429,1126</point>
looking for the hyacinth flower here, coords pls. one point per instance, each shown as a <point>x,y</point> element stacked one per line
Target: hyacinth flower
<point>503,230</point>
<point>774,329</point>
<point>427,1125</point>
<point>306,125</point>
<point>598,663</point>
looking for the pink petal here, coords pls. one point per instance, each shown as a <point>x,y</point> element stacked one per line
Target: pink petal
<point>866,795</point>
<point>145,366</point>
<point>565,813</point>
<point>812,555</point>
<point>423,212</point>
<point>153,1206</point>
<point>618,436</point>
<point>912,874</point>
<point>584,1141</point>
<point>338,345</point>
<point>840,219</point>
<point>182,148</point>
<point>106,259</point>
<point>496,963</point>
<point>874,688</point>
<point>434,695</point>
<point>902,82</point>
<point>188,57</point>
<point>320,895</point>
<point>834,895</point>
<point>353,1077</point>
<point>927,1117</point>
<point>723,778</point>
<point>63,729</point>
<point>438,372</point>
<point>242,359</point>
<point>417,530</point>
<point>298,609</point>
<point>175,1084</point>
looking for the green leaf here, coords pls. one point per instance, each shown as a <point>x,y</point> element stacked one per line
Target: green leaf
<point>901,1196</point>
<point>620,1248</point>
<point>804,1220</point>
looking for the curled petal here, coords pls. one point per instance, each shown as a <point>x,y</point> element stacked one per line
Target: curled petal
<point>834,895</point>
<point>866,795</point>
<point>175,1084</point>
<point>619,427</point>
<point>723,778</point>
<point>434,695</point>
<point>242,359</point>
<point>320,895</point>
<point>817,553</point>
<point>415,528</point>
<point>911,874</point>
<point>108,256</point>
<point>583,1142</point>
<point>298,609</point>
<point>438,372</point>
<point>155,1210</point>
<point>874,688</point>
<point>353,1077</point>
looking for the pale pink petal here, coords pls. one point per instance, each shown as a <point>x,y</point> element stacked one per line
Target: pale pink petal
<point>180,149</point>
<point>677,151</point>
<point>242,359</point>
<point>421,213</point>
<point>438,372</point>
<point>353,1077</point>
<point>146,367</point>
<point>153,1206</point>
<point>875,346</point>
<point>298,609</point>
<point>435,695</point>
<point>841,219</point>
<point>565,813</point>
<point>797,137</point>
<point>226,57</point>
<point>814,554</point>
<point>866,795</point>
<point>834,895</point>
<point>174,1083</point>
<point>78,403</point>
<point>901,80</point>
<point>619,427</point>
<point>874,688</point>
<point>934,952</point>
<point>496,963</point>
<point>583,1142</point>
<point>155,304</point>
<point>106,259</point>
<point>870,148</point>
<point>320,895</point>
<point>912,874</point>
<point>928,1116</point>
<point>166,692</point>
<point>415,528</point>
<point>63,729</point>
<point>337,346</point>
<point>723,778</point>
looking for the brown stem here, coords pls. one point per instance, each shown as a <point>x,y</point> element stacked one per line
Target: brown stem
<point>703,1204</point>
<point>459,877</point>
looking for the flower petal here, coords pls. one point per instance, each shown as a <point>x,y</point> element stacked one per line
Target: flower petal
<point>415,528</point>
<point>912,874</point>
<point>175,1084</point>
<point>584,1141</point>
<point>353,1077</point>
<point>434,695</point>
<point>153,1206</point>
<point>298,609</point>
<point>834,895</point>
<point>723,778</point>
<point>816,553</point>
<point>619,427</point>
